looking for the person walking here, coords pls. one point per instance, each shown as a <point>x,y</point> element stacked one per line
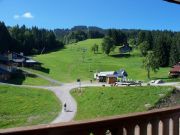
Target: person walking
<point>65,109</point>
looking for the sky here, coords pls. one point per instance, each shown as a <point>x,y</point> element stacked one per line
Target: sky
<point>121,14</point>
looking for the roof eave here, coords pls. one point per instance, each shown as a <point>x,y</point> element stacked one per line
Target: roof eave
<point>173,1</point>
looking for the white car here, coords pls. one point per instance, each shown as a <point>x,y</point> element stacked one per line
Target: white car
<point>159,81</point>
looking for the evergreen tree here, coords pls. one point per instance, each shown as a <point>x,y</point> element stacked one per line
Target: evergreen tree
<point>5,38</point>
<point>162,48</point>
<point>174,57</point>
<point>144,47</point>
<point>141,37</point>
<point>118,37</point>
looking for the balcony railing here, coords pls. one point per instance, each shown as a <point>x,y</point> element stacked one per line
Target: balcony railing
<point>163,121</point>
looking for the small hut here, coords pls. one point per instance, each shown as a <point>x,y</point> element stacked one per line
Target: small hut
<point>111,79</point>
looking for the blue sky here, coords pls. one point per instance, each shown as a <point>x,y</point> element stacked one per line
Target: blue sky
<point>137,14</point>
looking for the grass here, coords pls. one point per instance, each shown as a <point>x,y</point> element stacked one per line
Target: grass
<point>96,102</point>
<point>71,63</point>
<point>26,106</point>
<point>36,81</point>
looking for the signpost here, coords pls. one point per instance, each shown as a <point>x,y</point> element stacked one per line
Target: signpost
<point>79,81</point>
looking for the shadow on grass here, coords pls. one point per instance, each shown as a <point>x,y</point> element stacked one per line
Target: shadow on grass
<point>121,55</point>
<point>19,77</point>
<point>42,69</point>
<point>167,79</point>
<point>160,78</point>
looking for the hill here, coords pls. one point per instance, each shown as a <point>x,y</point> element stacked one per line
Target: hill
<point>78,61</point>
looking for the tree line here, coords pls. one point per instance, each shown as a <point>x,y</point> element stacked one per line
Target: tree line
<point>30,41</point>
<point>164,44</point>
<point>79,33</point>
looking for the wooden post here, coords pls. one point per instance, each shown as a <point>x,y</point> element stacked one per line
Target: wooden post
<point>155,127</point>
<point>165,126</point>
<point>143,128</point>
<point>176,125</point>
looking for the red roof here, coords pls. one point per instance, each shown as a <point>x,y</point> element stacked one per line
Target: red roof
<point>175,68</point>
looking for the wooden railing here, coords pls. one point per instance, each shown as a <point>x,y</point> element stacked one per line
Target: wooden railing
<point>163,121</point>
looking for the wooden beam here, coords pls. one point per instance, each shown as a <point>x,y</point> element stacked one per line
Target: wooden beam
<point>173,1</point>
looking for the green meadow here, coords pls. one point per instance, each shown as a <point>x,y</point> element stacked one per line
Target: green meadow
<point>26,106</point>
<point>78,61</point>
<point>95,102</point>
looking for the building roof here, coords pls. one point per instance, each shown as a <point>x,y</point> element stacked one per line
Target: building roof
<point>173,1</point>
<point>175,68</point>
<point>111,76</point>
<point>106,73</point>
<point>121,73</point>
<point>18,60</point>
<point>32,61</point>
<point>125,48</point>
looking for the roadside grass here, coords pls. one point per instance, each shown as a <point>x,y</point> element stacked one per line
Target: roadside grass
<point>35,81</point>
<point>95,102</point>
<point>21,106</point>
<point>72,62</point>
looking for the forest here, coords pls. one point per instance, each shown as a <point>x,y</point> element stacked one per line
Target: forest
<point>30,41</point>
<point>165,44</point>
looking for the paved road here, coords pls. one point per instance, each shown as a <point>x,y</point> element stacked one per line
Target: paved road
<point>63,94</point>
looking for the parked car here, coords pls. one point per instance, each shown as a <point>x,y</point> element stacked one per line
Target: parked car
<point>158,82</point>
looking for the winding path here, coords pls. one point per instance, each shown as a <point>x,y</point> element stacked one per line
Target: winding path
<point>63,93</point>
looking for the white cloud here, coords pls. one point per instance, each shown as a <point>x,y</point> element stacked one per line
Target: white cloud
<point>27,15</point>
<point>16,16</point>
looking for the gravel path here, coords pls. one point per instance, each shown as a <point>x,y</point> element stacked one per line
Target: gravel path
<point>63,94</point>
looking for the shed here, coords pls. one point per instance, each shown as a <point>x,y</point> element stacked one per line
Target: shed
<point>102,76</point>
<point>111,79</point>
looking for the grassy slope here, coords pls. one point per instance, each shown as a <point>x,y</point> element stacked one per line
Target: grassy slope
<point>103,101</point>
<point>67,65</point>
<point>26,106</point>
<point>37,81</point>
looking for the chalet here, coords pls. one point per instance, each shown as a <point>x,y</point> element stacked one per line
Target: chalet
<point>25,61</point>
<point>175,71</point>
<point>111,76</point>
<point>9,62</point>
<point>125,48</point>
<point>122,74</point>
<point>7,67</point>
<point>102,76</point>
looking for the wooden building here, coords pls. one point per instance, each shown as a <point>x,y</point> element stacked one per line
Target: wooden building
<point>111,79</point>
<point>7,66</point>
